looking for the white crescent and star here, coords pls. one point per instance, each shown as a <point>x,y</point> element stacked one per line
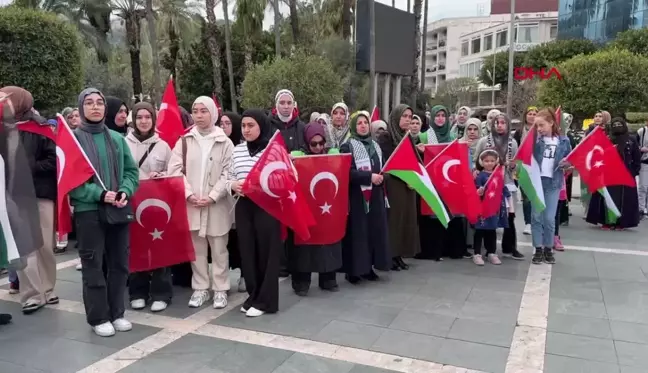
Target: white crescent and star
<point>153,202</point>
<point>588,158</point>
<point>446,168</point>
<point>325,175</point>
<point>265,174</point>
<point>60,154</point>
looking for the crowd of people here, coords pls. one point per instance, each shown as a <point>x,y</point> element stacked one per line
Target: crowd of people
<point>230,231</point>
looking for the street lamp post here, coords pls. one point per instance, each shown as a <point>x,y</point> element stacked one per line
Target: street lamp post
<point>509,94</point>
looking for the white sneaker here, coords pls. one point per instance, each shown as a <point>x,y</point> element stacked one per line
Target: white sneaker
<point>527,229</point>
<point>79,267</point>
<point>494,259</point>
<point>253,312</point>
<point>241,285</point>
<point>243,310</point>
<point>158,306</point>
<point>104,330</point>
<point>478,260</point>
<point>122,325</point>
<point>138,304</point>
<point>198,298</point>
<point>220,299</point>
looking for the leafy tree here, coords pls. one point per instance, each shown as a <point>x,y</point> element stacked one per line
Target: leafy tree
<point>501,68</point>
<point>311,78</point>
<point>554,52</point>
<point>612,80</point>
<point>42,53</point>
<point>635,40</point>
<point>453,93</point>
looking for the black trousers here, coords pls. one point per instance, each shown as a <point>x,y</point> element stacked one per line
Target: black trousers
<point>562,215</point>
<point>154,285</point>
<point>509,238</point>
<point>259,239</point>
<point>488,238</point>
<point>302,280</point>
<point>104,296</point>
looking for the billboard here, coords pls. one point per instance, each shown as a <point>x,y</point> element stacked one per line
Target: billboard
<point>524,6</point>
<point>395,44</point>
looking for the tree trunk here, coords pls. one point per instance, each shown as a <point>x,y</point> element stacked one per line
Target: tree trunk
<point>424,43</point>
<point>277,30</point>
<point>132,36</point>
<point>174,50</point>
<point>414,86</point>
<point>228,56</point>
<point>248,56</point>
<point>294,21</point>
<point>347,21</point>
<point>150,20</point>
<point>212,45</point>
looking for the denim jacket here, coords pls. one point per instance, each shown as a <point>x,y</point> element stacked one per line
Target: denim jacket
<point>563,149</point>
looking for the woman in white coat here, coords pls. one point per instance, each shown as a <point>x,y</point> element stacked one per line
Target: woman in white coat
<point>204,155</point>
<point>152,156</point>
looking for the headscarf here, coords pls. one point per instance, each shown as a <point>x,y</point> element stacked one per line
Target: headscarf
<point>501,142</point>
<point>136,132</point>
<point>311,130</point>
<point>326,118</point>
<point>443,134</point>
<point>476,123</point>
<point>23,104</point>
<point>525,128</point>
<point>113,104</point>
<point>187,120</point>
<point>236,135</point>
<point>265,129</point>
<point>377,125</point>
<point>210,105</point>
<point>468,113</point>
<point>619,133</point>
<point>366,140</point>
<point>85,134</point>
<point>67,111</point>
<point>313,117</point>
<point>338,135</point>
<point>394,129</point>
<point>275,111</point>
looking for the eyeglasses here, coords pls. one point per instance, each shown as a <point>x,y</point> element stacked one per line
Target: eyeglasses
<point>317,143</point>
<point>93,103</point>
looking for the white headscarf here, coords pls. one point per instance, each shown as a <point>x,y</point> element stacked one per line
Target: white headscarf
<point>211,107</point>
<point>343,106</point>
<point>283,92</point>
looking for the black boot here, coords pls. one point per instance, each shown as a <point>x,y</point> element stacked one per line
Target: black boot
<point>402,264</point>
<point>371,276</point>
<point>5,318</point>
<point>395,264</point>
<point>353,279</point>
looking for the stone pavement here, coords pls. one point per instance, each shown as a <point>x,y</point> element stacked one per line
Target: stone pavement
<point>588,313</point>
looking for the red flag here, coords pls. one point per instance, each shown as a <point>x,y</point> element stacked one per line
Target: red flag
<point>218,105</point>
<point>272,184</point>
<point>159,236</point>
<point>493,192</point>
<point>431,151</point>
<point>375,114</point>
<point>450,173</point>
<point>169,121</point>
<point>37,128</point>
<point>324,180</point>
<point>598,162</point>
<point>72,168</point>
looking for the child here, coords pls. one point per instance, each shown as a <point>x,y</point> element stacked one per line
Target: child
<point>562,215</point>
<point>486,227</point>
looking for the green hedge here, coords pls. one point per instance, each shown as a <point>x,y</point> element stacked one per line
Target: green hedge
<point>41,53</point>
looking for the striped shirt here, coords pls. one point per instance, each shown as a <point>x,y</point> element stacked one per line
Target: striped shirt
<point>242,163</point>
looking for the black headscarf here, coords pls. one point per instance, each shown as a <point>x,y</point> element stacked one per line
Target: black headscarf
<point>113,104</point>
<point>619,132</point>
<point>236,136</point>
<point>254,147</point>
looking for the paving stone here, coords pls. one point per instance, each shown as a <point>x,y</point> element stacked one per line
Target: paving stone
<point>302,363</point>
<point>367,369</point>
<point>495,297</point>
<point>564,364</point>
<point>7,367</point>
<point>629,332</point>
<point>482,332</point>
<point>586,348</point>
<point>349,334</point>
<point>473,355</point>
<point>489,313</point>
<point>577,308</point>
<point>424,323</point>
<point>632,354</point>
<point>576,292</point>
<point>370,315</point>
<point>417,346</point>
<point>579,325</point>
<point>447,307</point>
<point>446,289</point>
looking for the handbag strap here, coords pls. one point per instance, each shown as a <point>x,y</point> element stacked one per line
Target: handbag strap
<point>148,151</point>
<point>184,155</point>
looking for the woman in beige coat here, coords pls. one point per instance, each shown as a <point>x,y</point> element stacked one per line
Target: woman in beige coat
<point>203,155</point>
<point>152,156</point>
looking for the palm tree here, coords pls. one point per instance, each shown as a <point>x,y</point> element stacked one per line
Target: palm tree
<point>294,20</point>
<point>212,45</point>
<point>150,23</point>
<point>414,86</point>
<point>132,12</point>
<point>277,29</point>
<point>250,14</point>
<point>228,55</point>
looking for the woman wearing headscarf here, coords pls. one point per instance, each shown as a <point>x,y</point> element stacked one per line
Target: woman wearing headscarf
<point>501,140</point>
<point>259,234</point>
<point>459,125</point>
<point>286,119</point>
<point>415,127</point>
<point>38,278</point>
<point>439,132</point>
<point>471,136</point>
<point>303,260</point>
<point>230,122</point>
<point>116,115</point>
<point>313,117</point>
<point>152,156</point>
<point>365,245</point>
<point>72,117</point>
<point>102,216</point>
<point>324,120</point>
<point>519,135</point>
<point>187,120</point>
<point>339,130</point>
<point>378,127</point>
<point>624,197</point>
<point>204,156</point>
<point>403,225</point>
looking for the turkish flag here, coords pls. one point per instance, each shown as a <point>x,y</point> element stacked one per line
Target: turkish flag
<point>37,128</point>
<point>375,114</point>
<point>324,180</point>
<point>159,236</point>
<point>218,105</point>
<point>450,174</point>
<point>493,192</point>
<point>598,162</point>
<point>272,184</point>
<point>169,122</point>
<point>431,151</point>
<point>72,168</point>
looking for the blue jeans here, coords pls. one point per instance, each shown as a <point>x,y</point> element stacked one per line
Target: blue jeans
<point>543,224</point>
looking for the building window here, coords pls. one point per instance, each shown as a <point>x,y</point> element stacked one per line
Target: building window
<point>553,32</point>
<point>501,38</point>
<point>527,34</point>
<point>464,48</point>
<point>475,46</point>
<point>488,42</point>
<point>470,70</point>
<point>463,70</point>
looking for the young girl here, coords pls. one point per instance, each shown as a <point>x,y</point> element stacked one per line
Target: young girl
<point>486,227</point>
<point>561,215</point>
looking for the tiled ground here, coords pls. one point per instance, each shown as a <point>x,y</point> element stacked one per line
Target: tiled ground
<point>436,317</point>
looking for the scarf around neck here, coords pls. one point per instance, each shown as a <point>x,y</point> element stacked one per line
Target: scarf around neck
<point>442,133</point>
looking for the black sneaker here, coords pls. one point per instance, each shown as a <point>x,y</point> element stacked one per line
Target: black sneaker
<point>538,256</point>
<point>549,256</point>
<point>515,255</point>
<point>5,318</point>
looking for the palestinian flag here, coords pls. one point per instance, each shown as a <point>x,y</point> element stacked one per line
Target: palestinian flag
<point>612,212</point>
<point>529,171</point>
<point>405,165</point>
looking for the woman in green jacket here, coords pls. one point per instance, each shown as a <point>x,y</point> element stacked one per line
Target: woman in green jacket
<point>102,213</point>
